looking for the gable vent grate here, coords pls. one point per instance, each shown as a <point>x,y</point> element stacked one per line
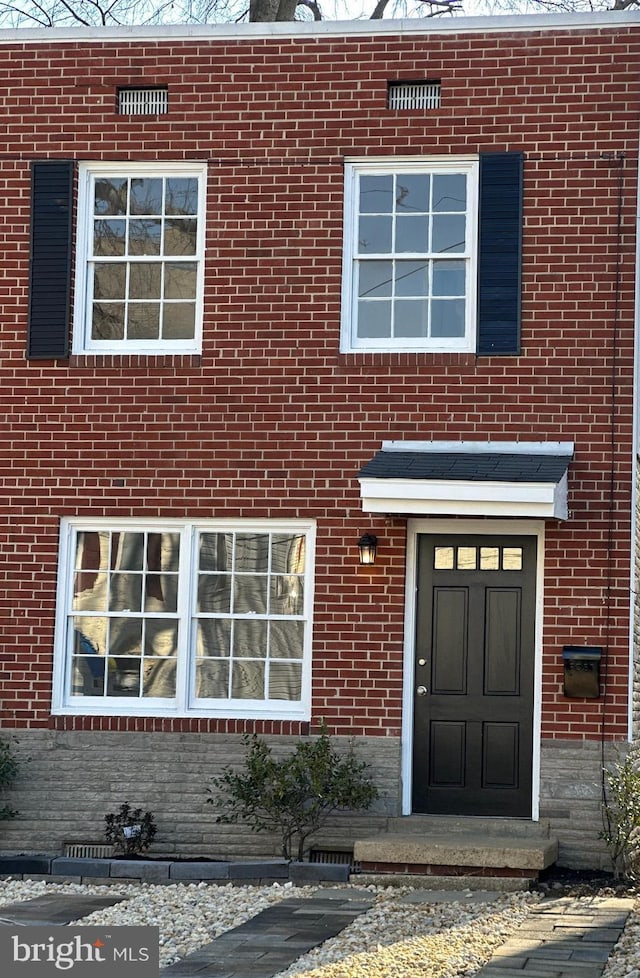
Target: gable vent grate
<point>414,95</point>
<point>143,101</point>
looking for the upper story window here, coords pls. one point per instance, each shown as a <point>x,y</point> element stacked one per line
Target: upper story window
<point>410,256</point>
<point>169,618</point>
<point>139,271</point>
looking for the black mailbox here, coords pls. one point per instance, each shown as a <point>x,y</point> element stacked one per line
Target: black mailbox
<point>582,671</point>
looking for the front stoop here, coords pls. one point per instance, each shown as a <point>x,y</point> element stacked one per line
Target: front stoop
<point>487,849</point>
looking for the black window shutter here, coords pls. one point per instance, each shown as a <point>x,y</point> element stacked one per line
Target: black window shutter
<point>499,253</point>
<point>50,274</point>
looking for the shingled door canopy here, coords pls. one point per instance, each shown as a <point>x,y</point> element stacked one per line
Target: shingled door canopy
<point>468,479</point>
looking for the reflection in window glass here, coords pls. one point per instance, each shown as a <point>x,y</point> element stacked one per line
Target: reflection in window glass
<point>125,613</point>
<point>248,680</point>
<point>251,608</point>
<point>134,293</point>
<point>285,681</point>
<point>212,679</point>
<point>408,226</point>
<point>199,618</point>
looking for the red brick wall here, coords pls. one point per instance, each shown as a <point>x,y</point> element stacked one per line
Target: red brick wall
<point>271,420</point>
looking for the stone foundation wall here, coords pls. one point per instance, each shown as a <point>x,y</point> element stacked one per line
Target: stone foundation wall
<point>571,798</point>
<point>69,780</point>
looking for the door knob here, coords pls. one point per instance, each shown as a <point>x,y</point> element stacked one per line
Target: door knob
<point>421,690</point>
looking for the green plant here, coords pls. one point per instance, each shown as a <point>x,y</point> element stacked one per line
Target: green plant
<point>130,830</point>
<point>8,774</point>
<point>621,817</point>
<point>294,795</point>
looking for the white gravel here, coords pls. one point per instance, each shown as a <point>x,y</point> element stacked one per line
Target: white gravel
<point>392,940</point>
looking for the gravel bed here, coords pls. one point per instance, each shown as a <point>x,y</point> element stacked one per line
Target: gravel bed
<point>417,940</point>
<point>392,940</point>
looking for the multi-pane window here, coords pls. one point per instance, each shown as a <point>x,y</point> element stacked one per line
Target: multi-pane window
<point>202,618</point>
<point>409,256</point>
<point>141,235</point>
<point>478,558</point>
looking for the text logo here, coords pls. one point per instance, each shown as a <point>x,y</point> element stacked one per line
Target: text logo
<point>40,951</point>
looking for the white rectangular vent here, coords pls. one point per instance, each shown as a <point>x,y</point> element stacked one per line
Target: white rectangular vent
<point>143,101</point>
<point>414,95</point>
<point>80,850</point>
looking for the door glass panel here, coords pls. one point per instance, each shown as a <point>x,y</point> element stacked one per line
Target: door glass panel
<point>443,558</point>
<point>512,558</point>
<point>467,557</point>
<point>489,558</point>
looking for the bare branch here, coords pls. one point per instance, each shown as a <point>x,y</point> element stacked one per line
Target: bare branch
<point>313,7</point>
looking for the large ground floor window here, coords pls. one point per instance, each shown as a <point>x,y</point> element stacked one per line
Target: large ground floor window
<point>177,618</point>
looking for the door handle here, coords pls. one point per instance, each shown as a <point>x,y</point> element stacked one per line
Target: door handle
<point>421,690</point>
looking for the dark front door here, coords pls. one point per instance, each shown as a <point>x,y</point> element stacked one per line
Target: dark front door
<point>473,696</point>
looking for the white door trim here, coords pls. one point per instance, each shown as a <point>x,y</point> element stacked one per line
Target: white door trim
<point>467,527</point>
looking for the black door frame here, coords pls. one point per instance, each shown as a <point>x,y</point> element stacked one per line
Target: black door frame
<point>417,526</point>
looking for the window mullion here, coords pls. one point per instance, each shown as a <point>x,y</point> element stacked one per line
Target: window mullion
<point>187,591</point>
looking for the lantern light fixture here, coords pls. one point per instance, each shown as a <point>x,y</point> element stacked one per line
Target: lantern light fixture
<point>368,545</point>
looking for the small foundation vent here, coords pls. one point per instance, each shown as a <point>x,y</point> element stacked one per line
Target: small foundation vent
<point>338,857</point>
<point>84,850</point>
<point>143,101</point>
<point>414,95</point>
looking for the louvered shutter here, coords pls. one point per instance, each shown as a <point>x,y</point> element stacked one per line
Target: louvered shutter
<point>50,274</point>
<point>499,253</point>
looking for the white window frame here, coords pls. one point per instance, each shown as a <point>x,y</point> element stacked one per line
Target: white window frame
<point>87,175</point>
<point>349,341</point>
<point>185,703</point>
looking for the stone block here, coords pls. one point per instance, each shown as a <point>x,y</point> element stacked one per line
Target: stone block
<point>318,872</point>
<point>71,866</point>
<point>260,869</point>
<point>151,871</point>
<point>25,864</point>
<point>199,871</point>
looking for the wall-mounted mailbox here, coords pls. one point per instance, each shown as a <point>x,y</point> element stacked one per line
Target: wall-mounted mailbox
<point>582,671</point>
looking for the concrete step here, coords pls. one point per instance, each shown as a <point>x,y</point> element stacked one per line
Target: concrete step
<point>450,824</point>
<point>459,850</point>
<point>457,854</point>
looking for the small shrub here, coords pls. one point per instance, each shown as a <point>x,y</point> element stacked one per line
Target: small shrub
<point>295,795</point>
<point>8,774</point>
<point>130,830</point>
<point>621,818</point>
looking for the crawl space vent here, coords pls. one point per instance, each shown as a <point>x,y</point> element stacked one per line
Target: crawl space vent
<point>143,101</point>
<point>81,850</point>
<point>341,857</point>
<point>414,95</point>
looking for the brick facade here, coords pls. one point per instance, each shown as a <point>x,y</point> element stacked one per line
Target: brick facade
<point>271,420</point>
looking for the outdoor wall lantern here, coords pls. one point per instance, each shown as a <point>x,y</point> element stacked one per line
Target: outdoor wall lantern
<point>368,545</point>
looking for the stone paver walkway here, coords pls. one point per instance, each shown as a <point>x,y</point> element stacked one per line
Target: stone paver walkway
<point>274,938</point>
<point>54,909</point>
<point>562,938</point>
